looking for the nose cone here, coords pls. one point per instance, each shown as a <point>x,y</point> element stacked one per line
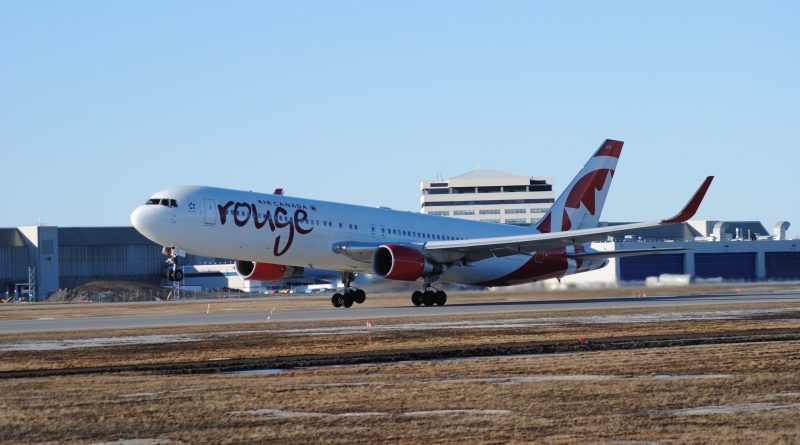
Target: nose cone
<point>145,219</point>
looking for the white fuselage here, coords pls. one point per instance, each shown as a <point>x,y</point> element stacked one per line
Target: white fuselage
<point>300,232</point>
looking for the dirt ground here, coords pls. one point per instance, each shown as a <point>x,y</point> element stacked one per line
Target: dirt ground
<point>712,394</point>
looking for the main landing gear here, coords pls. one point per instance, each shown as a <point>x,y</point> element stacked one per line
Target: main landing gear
<point>429,296</point>
<point>350,295</point>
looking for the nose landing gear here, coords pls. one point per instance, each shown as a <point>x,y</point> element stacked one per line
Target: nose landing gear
<point>174,274</point>
<point>350,295</point>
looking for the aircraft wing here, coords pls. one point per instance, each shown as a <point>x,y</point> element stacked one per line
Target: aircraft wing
<point>475,249</point>
<point>480,248</point>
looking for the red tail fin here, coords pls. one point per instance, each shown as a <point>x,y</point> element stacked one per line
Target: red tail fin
<point>580,204</point>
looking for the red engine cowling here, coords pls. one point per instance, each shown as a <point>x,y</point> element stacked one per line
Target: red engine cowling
<point>403,263</point>
<point>266,271</point>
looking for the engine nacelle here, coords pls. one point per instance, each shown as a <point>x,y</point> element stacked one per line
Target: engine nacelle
<point>266,271</point>
<point>395,262</point>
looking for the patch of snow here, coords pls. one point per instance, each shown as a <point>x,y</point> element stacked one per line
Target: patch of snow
<point>259,371</point>
<point>144,394</point>
<point>136,442</point>
<point>459,411</point>
<point>732,408</point>
<point>55,345</point>
<point>524,323</point>
<point>683,376</point>
<point>288,414</point>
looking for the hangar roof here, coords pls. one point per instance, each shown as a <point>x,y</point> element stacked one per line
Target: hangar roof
<point>11,238</point>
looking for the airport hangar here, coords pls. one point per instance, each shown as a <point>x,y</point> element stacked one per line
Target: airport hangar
<point>44,259</point>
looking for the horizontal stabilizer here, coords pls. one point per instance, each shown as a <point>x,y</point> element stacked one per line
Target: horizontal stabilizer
<point>625,253</point>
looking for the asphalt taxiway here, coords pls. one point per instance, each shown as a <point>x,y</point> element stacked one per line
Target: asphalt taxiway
<point>373,309</point>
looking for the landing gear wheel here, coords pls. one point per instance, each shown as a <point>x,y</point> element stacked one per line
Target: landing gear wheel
<point>337,300</point>
<point>416,298</point>
<point>441,298</point>
<point>178,275</point>
<point>359,296</point>
<point>171,275</point>
<point>428,298</point>
<point>348,299</point>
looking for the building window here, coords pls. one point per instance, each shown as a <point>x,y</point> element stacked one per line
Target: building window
<point>515,220</point>
<point>440,213</point>
<point>491,220</point>
<point>463,212</point>
<point>463,190</point>
<point>541,188</point>
<point>490,212</point>
<point>489,189</point>
<point>515,188</point>
<point>539,210</point>
<point>438,184</point>
<point>514,211</point>
<point>435,191</point>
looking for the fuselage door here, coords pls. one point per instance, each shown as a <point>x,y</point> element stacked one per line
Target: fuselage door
<point>373,231</point>
<point>210,211</point>
<point>383,232</point>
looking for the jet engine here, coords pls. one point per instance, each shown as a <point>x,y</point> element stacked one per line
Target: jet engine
<point>266,271</point>
<point>395,262</point>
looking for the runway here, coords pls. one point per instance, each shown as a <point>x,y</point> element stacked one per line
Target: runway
<point>372,309</point>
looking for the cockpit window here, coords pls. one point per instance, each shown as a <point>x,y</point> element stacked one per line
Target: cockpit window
<point>162,201</point>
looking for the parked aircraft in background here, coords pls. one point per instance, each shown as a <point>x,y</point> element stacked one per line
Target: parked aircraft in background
<point>272,236</point>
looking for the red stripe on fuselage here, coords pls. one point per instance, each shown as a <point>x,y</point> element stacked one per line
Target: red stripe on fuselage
<point>551,263</point>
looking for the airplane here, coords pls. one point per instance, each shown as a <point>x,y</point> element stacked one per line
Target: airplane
<point>272,236</point>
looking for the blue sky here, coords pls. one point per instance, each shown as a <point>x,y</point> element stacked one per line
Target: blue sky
<point>103,103</point>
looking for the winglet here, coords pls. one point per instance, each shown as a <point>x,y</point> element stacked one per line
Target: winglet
<point>691,207</point>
